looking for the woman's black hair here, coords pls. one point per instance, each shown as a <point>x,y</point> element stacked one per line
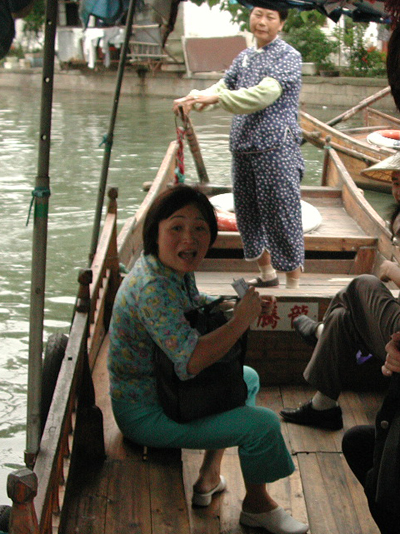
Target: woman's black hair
<point>169,202</point>
<point>283,13</point>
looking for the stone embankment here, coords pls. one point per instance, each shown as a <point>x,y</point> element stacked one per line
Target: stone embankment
<point>335,92</point>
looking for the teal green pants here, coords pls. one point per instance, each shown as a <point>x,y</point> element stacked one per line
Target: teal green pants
<point>255,430</point>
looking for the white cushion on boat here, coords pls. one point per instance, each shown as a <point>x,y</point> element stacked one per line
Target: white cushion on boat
<point>223,202</point>
<point>311,217</point>
<point>376,138</point>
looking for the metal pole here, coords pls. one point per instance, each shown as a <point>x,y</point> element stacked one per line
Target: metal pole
<point>110,135</point>
<point>40,195</point>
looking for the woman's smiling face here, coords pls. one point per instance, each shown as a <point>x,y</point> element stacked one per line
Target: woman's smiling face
<point>183,239</point>
<point>265,24</point>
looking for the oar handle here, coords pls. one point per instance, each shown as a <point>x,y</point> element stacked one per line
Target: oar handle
<point>194,147</point>
<point>363,104</point>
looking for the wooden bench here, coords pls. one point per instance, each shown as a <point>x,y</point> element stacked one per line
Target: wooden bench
<point>128,493</point>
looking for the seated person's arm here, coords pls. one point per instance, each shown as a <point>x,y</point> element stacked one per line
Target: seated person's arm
<point>392,363</point>
<point>390,271</point>
<point>190,352</point>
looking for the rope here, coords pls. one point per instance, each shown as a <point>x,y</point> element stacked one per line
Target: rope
<point>106,141</point>
<point>39,192</point>
<point>180,163</point>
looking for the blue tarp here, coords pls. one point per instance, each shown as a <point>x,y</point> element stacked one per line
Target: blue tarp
<point>109,11</point>
<point>358,10</point>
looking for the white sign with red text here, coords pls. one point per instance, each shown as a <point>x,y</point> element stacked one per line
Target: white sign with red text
<point>283,315</point>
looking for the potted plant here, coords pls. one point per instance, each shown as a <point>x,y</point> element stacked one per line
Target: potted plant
<point>328,69</point>
<point>303,32</point>
<point>361,58</point>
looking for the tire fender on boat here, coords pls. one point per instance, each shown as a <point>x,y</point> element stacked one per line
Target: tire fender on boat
<point>53,357</point>
<point>5,513</point>
<point>224,206</point>
<point>385,138</point>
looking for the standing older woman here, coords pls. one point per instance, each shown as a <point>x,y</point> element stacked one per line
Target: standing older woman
<point>149,310</point>
<point>262,89</point>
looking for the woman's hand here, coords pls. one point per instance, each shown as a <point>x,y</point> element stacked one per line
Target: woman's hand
<point>213,346</point>
<point>392,362</point>
<point>187,102</point>
<point>385,271</point>
<point>267,304</point>
<point>249,307</point>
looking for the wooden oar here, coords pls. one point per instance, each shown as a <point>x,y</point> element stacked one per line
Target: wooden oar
<point>363,104</point>
<point>350,112</point>
<point>194,147</point>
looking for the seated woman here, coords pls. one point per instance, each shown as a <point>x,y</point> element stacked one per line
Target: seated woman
<point>149,310</point>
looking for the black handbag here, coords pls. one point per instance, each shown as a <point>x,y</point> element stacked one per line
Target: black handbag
<point>218,388</point>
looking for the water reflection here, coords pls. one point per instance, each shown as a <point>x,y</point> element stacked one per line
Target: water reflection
<point>144,128</point>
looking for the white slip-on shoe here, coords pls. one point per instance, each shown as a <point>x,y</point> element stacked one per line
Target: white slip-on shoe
<point>277,521</point>
<point>204,499</point>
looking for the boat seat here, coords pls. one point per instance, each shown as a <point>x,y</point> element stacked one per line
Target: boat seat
<point>134,478</point>
<point>346,254</point>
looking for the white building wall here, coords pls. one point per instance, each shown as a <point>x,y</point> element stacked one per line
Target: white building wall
<point>203,21</point>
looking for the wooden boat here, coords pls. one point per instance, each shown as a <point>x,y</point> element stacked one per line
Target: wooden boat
<point>355,150</point>
<point>87,479</point>
<point>84,478</point>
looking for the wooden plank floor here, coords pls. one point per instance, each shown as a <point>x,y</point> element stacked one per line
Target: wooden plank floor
<point>129,495</point>
<point>318,285</point>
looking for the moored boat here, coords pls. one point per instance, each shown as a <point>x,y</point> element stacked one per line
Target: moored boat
<point>358,147</point>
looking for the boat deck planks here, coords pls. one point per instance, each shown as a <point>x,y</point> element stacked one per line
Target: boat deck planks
<point>318,285</point>
<point>128,494</point>
<point>346,247</point>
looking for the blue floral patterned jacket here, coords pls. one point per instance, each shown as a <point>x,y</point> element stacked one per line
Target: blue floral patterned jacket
<point>269,127</point>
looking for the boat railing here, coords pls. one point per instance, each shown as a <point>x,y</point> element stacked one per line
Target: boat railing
<point>73,434</point>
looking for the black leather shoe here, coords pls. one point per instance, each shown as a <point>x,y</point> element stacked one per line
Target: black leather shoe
<point>306,328</point>
<point>259,282</point>
<point>306,415</point>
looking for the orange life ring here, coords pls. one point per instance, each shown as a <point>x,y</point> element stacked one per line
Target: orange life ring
<point>391,134</point>
<point>385,138</point>
<point>226,221</point>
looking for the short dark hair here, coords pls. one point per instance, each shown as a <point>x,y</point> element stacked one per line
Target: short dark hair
<point>167,203</point>
<point>283,13</point>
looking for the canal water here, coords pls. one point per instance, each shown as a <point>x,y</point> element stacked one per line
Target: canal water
<point>143,130</point>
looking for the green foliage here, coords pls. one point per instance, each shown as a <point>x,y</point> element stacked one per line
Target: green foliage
<point>303,32</point>
<point>34,22</point>
<point>297,19</point>
<point>16,50</point>
<point>239,13</point>
<point>363,60</point>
